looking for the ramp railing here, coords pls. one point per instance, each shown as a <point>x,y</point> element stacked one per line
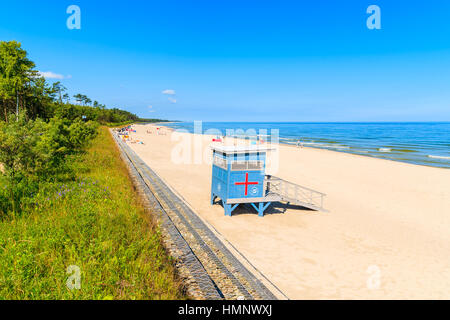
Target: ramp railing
<point>294,193</point>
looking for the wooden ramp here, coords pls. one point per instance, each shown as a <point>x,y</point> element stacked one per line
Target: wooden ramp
<point>294,193</point>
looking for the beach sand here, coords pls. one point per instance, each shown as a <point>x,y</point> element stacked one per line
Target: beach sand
<point>386,235</point>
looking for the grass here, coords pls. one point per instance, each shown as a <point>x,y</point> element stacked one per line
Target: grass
<point>94,223</point>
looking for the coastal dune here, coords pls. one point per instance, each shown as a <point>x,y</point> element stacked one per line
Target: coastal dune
<point>386,235</point>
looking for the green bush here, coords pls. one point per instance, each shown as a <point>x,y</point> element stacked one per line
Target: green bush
<point>34,151</point>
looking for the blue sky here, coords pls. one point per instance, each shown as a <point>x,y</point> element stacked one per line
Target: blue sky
<point>246,60</point>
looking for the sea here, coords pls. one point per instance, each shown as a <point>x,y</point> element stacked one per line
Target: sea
<point>421,143</point>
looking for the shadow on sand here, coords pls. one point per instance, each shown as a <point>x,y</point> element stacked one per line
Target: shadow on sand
<point>274,208</point>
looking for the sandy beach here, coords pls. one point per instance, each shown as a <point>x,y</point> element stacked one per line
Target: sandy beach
<point>386,235</point>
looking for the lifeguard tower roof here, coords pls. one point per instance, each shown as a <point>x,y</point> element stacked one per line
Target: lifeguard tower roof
<point>226,149</point>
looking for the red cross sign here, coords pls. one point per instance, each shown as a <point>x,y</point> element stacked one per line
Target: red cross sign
<point>246,183</point>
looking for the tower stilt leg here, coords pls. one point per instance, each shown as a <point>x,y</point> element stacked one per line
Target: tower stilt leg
<point>261,209</point>
<point>227,208</point>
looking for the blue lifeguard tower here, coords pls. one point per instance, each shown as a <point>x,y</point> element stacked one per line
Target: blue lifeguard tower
<point>238,177</point>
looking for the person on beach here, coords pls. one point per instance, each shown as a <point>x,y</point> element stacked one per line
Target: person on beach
<point>299,144</point>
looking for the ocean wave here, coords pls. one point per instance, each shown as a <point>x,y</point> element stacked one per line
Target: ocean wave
<point>384,149</point>
<point>339,147</point>
<point>438,157</point>
<point>314,144</point>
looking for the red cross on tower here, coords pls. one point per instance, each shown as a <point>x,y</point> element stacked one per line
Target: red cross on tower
<point>246,183</point>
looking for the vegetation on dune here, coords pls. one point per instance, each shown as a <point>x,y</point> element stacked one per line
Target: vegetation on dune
<point>34,152</point>
<point>66,201</point>
<point>40,128</point>
<point>94,223</point>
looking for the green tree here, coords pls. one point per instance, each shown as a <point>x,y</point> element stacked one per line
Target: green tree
<point>66,97</point>
<point>59,89</point>
<point>78,98</point>
<point>16,72</point>
<point>39,99</point>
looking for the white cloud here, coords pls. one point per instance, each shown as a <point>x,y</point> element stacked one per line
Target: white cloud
<point>172,100</point>
<point>169,91</point>
<point>52,75</point>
